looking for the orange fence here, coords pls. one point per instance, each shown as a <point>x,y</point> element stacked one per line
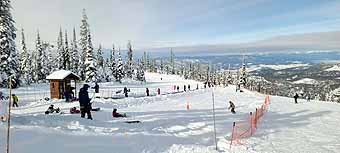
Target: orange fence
<point>243,129</point>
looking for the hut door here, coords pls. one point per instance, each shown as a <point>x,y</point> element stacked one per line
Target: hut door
<point>61,89</point>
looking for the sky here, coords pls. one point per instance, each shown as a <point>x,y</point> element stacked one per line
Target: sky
<point>174,23</point>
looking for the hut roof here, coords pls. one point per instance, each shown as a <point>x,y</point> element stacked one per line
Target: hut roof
<point>61,75</point>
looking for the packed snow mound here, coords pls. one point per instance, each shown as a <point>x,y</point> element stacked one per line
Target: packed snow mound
<point>306,81</point>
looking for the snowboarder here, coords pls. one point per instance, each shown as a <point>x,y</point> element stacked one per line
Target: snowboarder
<point>96,88</point>
<point>74,110</point>
<point>185,88</point>
<point>84,101</point>
<point>115,114</point>
<point>147,92</point>
<point>15,100</point>
<point>296,96</point>
<point>126,92</point>
<point>232,107</point>
<point>52,110</point>
<point>159,91</point>
<point>189,87</point>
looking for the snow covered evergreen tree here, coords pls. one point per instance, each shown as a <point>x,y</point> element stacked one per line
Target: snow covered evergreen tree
<point>67,59</point>
<point>90,63</point>
<point>25,66</point>
<point>100,58</point>
<point>8,55</point>
<point>129,70</point>
<point>44,60</point>
<point>38,61</point>
<point>74,54</point>
<point>120,72</point>
<point>60,51</point>
<point>113,66</point>
<point>172,62</point>
<point>84,30</point>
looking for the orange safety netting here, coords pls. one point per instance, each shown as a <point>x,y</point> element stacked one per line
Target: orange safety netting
<point>243,129</point>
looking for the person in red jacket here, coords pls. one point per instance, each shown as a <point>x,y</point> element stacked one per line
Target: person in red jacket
<point>115,114</point>
<point>74,110</point>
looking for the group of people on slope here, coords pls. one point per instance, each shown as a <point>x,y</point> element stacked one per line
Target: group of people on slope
<point>185,87</point>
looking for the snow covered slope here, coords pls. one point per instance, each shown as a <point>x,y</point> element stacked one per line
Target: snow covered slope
<point>167,126</point>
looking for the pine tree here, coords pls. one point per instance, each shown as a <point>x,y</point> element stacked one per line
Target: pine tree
<point>90,64</point>
<point>60,51</point>
<point>67,59</point>
<point>38,60</point>
<point>8,62</point>
<point>120,72</point>
<point>84,30</point>
<point>25,66</point>
<point>129,70</point>
<point>44,60</point>
<point>100,58</point>
<point>75,54</point>
<point>172,62</point>
<point>113,63</point>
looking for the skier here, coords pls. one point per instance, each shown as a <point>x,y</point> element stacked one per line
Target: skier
<point>15,100</point>
<point>126,92</point>
<point>52,110</point>
<point>96,88</point>
<point>189,87</point>
<point>296,96</point>
<point>115,114</point>
<point>174,87</point>
<point>185,88</point>
<point>177,88</point>
<point>232,107</point>
<point>197,87</point>
<point>84,101</point>
<point>147,92</point>
<point>159,91</point>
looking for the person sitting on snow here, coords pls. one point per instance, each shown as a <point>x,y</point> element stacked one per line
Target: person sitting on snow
<point>74,110</point>
<point>115,114</point>
<point>232,107</point>
<point>52,110</point>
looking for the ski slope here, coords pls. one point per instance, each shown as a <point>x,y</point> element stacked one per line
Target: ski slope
<point>167,126</point>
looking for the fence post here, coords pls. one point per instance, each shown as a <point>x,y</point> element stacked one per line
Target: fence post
<point>251,123</point>
<point>256,113</point>
<point>232,135</point>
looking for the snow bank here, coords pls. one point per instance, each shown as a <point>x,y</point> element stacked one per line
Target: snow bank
<point>306,81</point>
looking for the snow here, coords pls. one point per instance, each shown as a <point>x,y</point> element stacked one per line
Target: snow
<point>276,67</point>
<point>306,81</point>
<point>334,68</point>
<point>168,127</point>
<point>59,75</point>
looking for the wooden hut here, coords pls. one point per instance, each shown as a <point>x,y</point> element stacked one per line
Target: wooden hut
<point>61,81</point>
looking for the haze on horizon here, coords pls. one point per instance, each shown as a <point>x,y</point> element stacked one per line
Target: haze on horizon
<point>158,24</point>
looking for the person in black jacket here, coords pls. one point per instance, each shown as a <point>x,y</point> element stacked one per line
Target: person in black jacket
<point>96,88</point>
<point>126,92</point>
<point>296,96</point>
<point>147,92</point>
<point>84,101</point>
